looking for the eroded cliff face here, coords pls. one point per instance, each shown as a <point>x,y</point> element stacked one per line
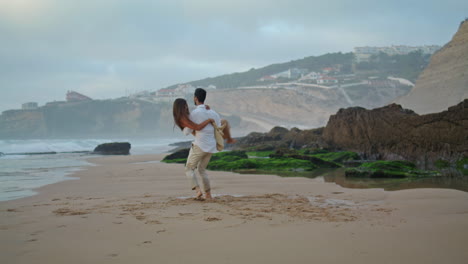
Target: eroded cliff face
<point>394,133</point>
<point>22,123</point>
<point>445,80</point>
<point>108,118</point>
<point>267,108</point>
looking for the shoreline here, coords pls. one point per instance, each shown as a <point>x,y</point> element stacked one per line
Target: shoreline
<point>129,208</point>
<point>74,174</point>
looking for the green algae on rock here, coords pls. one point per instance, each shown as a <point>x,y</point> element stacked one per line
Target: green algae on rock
<point>389,169</point>
<point>239,160</point>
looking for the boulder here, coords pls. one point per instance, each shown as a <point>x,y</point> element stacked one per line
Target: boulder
<point>115,148</point>
<point>277,133</point>
<point>280,137</point>
<point>180,154</point>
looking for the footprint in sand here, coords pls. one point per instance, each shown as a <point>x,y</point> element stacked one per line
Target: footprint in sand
<point>153,222</point>
<point>140,217</point>
<point>212,219</point>
<point>36,233</point>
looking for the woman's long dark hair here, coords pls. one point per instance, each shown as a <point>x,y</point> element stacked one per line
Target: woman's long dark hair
<point>180,111</point>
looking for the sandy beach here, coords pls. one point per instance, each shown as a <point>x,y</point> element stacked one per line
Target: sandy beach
<point>134,209</point>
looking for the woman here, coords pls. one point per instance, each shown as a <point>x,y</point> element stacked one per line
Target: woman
<point>180,111</point>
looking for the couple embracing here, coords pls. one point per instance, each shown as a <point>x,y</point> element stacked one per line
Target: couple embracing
<point>201,123</point>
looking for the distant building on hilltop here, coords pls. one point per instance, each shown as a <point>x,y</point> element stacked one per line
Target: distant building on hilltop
<point>327,80</point>
<point>166,95</point>
<point>73,96</point>
<point>293,73</point>
<point>267,78</point>
<point>183,89</point>
<point>311,76</point>
<point>29,106</point>
<point>364,53</point>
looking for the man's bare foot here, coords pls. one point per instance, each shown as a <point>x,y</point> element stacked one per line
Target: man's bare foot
<point>199,193</point>
<point>231,141</point>
<point>208,196</point>
<point>199,197</point>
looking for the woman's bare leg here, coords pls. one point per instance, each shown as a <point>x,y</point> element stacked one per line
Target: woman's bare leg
<point>227,132</point>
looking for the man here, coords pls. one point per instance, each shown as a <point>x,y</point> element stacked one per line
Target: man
<point>203,146</point>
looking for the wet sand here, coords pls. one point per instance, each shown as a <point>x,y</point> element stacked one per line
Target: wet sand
<point>132,209</point>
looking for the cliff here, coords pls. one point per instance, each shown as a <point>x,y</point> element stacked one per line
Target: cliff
<point>445,80</point>
<point>393,133</point>
<point>262,109</point>
<point>386,133</point>
<point>107,118</point>
<point>266,108</point>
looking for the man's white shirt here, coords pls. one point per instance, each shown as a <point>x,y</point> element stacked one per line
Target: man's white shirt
<point>204,138</point>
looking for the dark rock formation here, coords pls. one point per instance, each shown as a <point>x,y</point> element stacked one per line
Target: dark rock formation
<point>394,133</point>
<point>280,137</point>
<point>34,153</point>
<point>180,154</point>
<point>115,148</point>
<point>181,145</point>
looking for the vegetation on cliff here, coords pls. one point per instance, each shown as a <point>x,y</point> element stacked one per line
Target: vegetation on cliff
<point>312,63</point>
<point>407,66</point>
<point>462,165</point>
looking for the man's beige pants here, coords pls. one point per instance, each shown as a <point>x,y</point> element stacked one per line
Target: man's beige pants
<point>198,160</point>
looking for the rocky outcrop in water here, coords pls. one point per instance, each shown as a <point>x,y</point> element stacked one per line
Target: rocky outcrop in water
<point>393,133</point>
<point>116,148</point>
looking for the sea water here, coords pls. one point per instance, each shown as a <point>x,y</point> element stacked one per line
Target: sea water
<point>20,174</point>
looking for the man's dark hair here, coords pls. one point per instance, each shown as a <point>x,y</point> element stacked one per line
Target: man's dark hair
<point>200,94</point>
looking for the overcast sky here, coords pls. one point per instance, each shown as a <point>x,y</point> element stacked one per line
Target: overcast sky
<point>107,48</point>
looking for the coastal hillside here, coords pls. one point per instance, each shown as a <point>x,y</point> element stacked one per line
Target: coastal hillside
<point>301,93</point>
<point>445,80</point>
<point>378,65</point>
<point>304,93</point>
<point>260,110</point>
<point>252,76</point>
<point>96,118</point>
